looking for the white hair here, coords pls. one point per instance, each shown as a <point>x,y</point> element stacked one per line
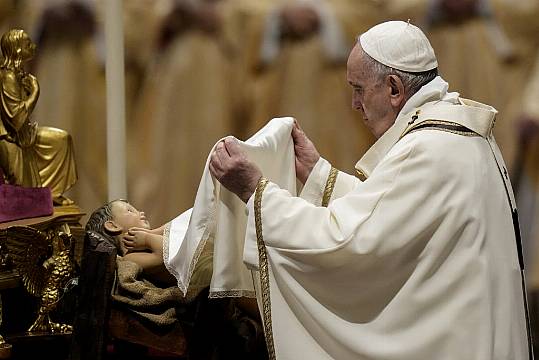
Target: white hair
<point>412,81</point>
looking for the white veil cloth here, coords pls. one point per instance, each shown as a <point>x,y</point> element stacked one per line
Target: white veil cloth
<point>204,245</point>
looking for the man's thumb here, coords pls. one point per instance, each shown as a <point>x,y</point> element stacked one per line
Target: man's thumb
<point>297,133</point>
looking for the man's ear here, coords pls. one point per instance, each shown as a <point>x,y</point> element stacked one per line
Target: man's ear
<point>112,228</point>
<point>397,90</point>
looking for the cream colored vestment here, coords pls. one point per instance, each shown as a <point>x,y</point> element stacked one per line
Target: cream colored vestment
<point>417,262</point>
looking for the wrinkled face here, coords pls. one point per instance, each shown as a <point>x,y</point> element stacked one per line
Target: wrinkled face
<point>127,216</point>
<point>371,95</point>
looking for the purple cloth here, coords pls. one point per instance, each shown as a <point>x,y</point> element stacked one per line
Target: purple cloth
<point>18,202</point>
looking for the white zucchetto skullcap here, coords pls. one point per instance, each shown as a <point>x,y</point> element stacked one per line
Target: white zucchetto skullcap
<point>400,45</point>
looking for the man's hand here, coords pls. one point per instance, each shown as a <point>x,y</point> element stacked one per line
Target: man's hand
<point>306,154</point>
<point>230,166</point>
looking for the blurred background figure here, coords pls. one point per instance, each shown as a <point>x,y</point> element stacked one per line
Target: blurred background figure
<point>526,175</point>
<point>72,87</point>
<point>186,104</point>
<point>485,49</point>
<point>297,59</point>
<point>8,15</point>
<point>526,182</point>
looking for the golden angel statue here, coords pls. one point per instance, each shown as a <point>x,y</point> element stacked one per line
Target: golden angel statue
<point>44,271</point>
<point>30,155</point>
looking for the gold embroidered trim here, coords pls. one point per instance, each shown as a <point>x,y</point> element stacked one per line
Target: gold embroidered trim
<point>166,235</point>
<point>330,184</point>
<point>463,133</point>
<point>172,270</point>
<point>184,288</point>
<point>447,126</point>
<point>263,267</point>
<point>209,231</point>
<point>361,175</point>
<point>231,293</point>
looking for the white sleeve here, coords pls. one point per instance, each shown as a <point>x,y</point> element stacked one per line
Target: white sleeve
<point>313,191</point>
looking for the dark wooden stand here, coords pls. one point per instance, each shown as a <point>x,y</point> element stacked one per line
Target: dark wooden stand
<point>98,322</point>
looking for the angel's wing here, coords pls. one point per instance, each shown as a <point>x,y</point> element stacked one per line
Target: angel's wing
<point>28,248</point>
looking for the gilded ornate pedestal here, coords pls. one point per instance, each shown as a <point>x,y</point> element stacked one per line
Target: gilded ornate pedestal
<point>41,255</point>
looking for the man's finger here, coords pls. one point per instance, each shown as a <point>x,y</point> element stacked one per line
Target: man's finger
<point>220,147</point>
<point>214,171</point>
<point>215,160</point>
<point>296,125</point>
<point>232,146</point>
<point>297,130</point>
<point>222,153</point>
<point>298,136</point>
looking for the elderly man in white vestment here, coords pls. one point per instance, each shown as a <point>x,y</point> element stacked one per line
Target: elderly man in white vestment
<point>418,259</point>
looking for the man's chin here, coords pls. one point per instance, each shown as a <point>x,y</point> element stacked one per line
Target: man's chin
<point>370,127</point>
<point>366,122</point>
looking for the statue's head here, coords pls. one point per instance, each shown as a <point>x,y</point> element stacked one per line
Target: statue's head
<point>114,219</point>
<point>17,47</point>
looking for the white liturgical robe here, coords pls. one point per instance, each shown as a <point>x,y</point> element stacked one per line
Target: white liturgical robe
<point>419,261</point>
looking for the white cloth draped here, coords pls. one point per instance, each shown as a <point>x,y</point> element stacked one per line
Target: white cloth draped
<point>216,223</point>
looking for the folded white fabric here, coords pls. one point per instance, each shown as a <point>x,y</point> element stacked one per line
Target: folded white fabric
<point>216,223</point>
